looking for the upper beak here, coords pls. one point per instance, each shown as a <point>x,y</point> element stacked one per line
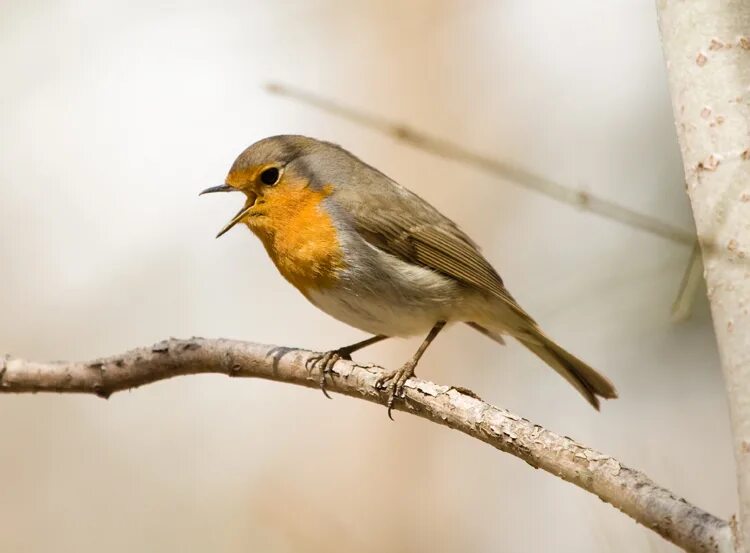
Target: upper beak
<point>220,188</point>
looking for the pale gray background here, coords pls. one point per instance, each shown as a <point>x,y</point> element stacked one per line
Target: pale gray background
<point>115,115</point>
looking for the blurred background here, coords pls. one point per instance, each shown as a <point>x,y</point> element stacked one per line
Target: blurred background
<point>116,114</point>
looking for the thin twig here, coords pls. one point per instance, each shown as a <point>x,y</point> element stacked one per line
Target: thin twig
<point>682,307</point>
<point>630,491</point>
<point>514,173</point>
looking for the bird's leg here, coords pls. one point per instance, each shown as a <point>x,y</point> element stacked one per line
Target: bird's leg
<point>394,381</point>
<point>325,361</point>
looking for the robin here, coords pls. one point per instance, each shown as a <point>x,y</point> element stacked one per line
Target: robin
<point>376,256</point>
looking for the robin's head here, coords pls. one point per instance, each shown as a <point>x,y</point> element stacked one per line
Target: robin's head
<point>274,171</point>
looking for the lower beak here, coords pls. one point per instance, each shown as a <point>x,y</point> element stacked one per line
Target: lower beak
<point>240,215</point>
<point>236,219</point>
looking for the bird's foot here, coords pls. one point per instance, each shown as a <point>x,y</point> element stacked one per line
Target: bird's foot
<point>393,382</point>
<point>324,362</point>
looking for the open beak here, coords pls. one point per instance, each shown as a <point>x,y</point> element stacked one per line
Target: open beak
<point>240,214</point>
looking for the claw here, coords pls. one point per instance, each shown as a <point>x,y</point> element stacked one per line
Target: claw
<point>323,385</point>
<point>394,382</point>
<point>325,362</point>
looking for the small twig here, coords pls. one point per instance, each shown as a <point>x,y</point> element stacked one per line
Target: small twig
<point>682,307</point>
<point>630,491</point>
<point>514,173</point>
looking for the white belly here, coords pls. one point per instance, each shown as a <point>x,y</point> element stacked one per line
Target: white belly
<point>376,316</point>
<point>392,297</point>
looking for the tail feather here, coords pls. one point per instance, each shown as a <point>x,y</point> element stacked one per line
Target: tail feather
<point>584,378</point>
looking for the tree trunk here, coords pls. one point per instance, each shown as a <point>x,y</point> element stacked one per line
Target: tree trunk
<point>707,49</point>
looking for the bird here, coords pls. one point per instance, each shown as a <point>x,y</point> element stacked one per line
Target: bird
<point>376,256</point>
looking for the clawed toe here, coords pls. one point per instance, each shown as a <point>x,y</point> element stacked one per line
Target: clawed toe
<point>324,363</point>
<point>393,382</point>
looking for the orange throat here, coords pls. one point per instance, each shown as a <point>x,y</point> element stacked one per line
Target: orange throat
<point>300,237</point>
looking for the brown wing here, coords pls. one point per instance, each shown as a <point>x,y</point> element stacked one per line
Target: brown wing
<point>402,224</point>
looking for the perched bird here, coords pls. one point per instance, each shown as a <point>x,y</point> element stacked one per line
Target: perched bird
<point>376,256</point>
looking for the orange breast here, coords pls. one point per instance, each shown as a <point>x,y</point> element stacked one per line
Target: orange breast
<point>299,236</point>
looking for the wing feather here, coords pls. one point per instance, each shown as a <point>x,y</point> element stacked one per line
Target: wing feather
<point>404,225</point>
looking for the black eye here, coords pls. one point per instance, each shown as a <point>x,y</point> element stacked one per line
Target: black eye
<point>269,176</point>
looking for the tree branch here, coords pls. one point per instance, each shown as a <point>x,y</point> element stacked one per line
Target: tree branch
<point>504,169</point>
<point>626,489</point>
<point>521,176</point>
<point>682,307</point>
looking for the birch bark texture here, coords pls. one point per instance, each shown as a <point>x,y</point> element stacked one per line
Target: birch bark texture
<point>707,49</point>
